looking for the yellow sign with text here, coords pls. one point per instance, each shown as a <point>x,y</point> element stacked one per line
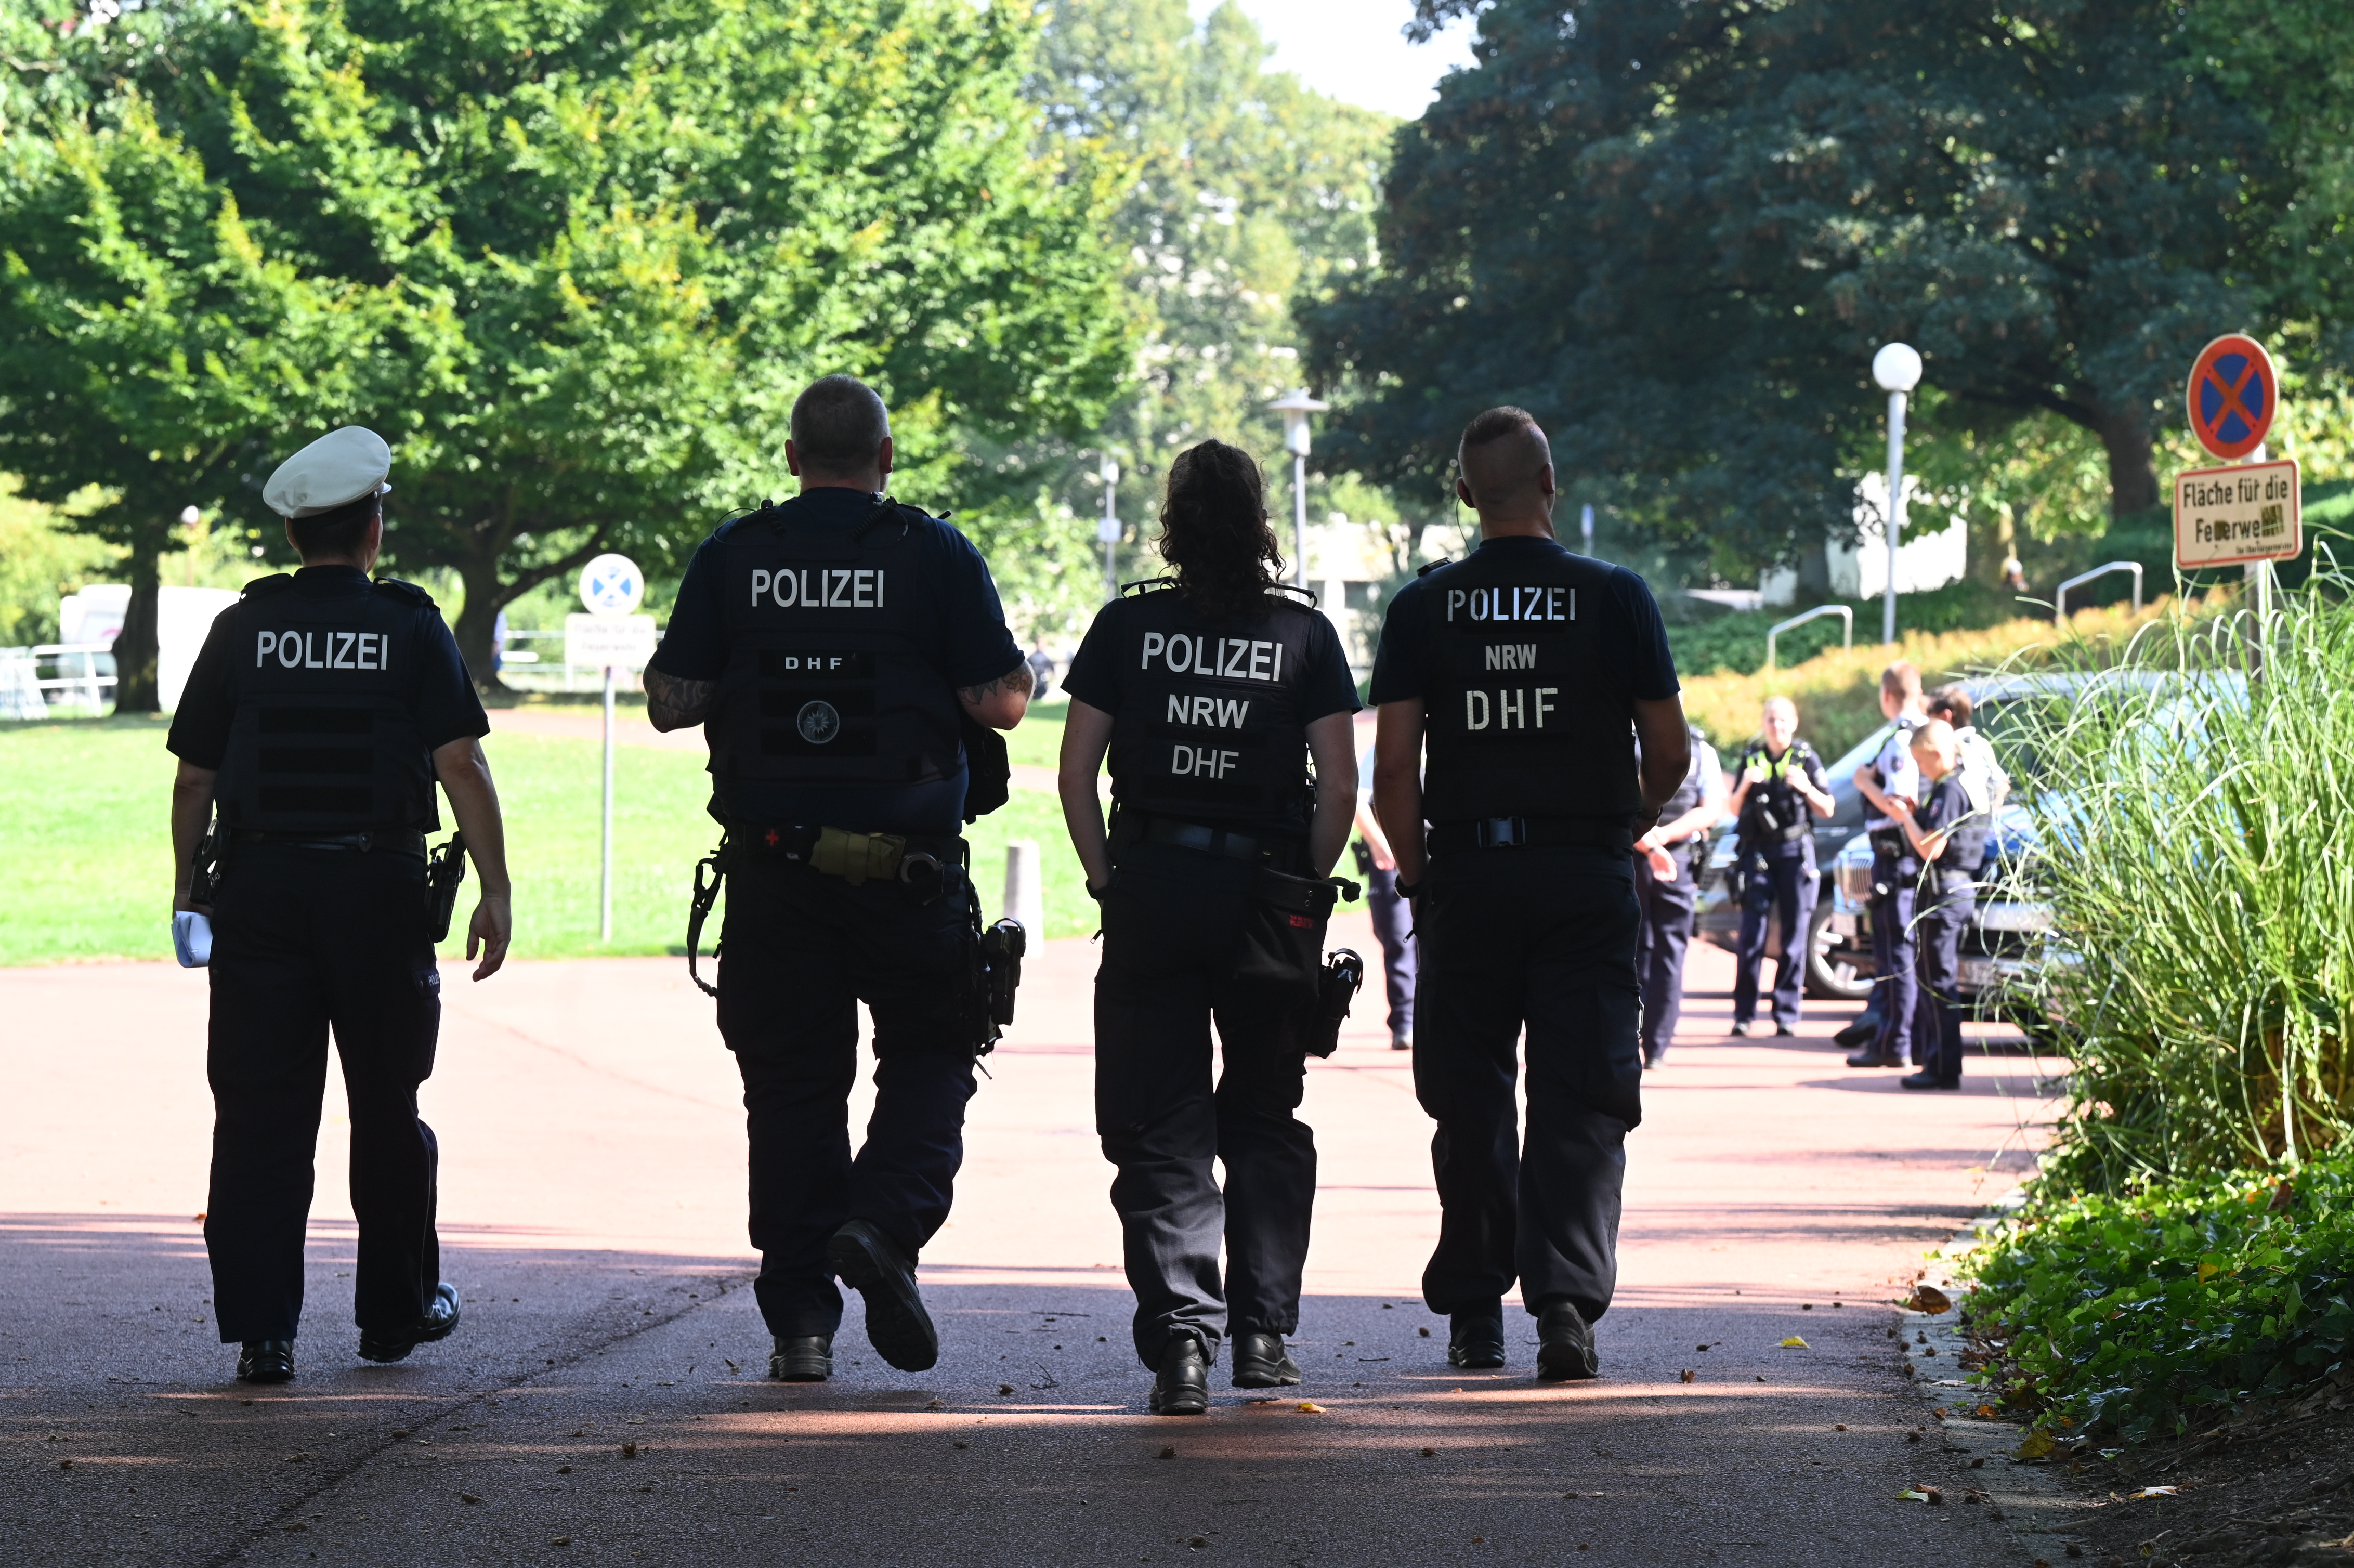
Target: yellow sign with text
<point>2228,516</point>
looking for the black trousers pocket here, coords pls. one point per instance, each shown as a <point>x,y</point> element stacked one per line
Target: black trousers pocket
<point>1282,945</point>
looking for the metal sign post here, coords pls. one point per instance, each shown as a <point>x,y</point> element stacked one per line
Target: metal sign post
<point>613,636</point>
<point>2250,514</point>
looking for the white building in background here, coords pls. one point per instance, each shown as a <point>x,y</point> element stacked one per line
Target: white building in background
<point>1860,570</point>
<point>1348,562</point>
<point>183,617</point>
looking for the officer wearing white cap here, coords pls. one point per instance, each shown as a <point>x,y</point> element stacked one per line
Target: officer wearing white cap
<point>1532,673</point>
<point>318,718</point>
<point>849,662</point>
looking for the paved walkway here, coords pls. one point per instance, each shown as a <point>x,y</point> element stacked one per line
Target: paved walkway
<point>603,1398</point>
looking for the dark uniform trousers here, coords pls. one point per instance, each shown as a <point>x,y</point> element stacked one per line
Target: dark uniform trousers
<point>1659,947</point>
<point>1782,878</point>
<point>1543,937</point>
<point>1892,950</point>
<point>1394,928</point>
<point>304,940</point>
<point>798,952</point>
<point>1937,1013</point>
<point>1173,923</point>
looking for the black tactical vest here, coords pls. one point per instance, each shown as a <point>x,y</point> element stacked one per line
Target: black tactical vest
<point>1775,812</point>
<point>324,738</point>
<point>823,683</point>
<point>1517,722</point>
<point>1208,728</point>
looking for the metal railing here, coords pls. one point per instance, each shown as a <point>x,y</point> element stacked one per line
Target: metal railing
<point>2059,594</point>
<point>18,686</point>
<point>1846,615</point>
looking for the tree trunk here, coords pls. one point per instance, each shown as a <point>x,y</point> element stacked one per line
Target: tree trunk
<point>2133,478</point>
<point>478,619</point>
<point>134,646</point>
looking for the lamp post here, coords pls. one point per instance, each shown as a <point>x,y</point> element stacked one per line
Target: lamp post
<point>1296,406</point>
<point>1107,526</point>
<point>1898,368</point>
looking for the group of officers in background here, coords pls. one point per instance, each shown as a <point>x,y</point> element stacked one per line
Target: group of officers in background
<point>1535,787</point>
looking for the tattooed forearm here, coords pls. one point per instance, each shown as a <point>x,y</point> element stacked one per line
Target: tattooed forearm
<point>1020,681</point>
<point>673,703</point>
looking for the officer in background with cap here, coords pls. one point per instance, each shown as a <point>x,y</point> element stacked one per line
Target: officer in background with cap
<point>849,662</point>
<point>1532,673</point>
<point>316,721</point>
<point>1667,862</point>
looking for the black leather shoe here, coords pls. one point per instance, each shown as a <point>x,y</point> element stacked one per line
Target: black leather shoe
<point>1566,1345</point>
<point>1862,1031</point>
<point>266,1360</point>
<point>1740,1029</point>
<point>440,1317</point>
<point>1261,1361</point>
<point>1874,1059</point>
<point>1784,1032</point>
<point>896,1324</point>
<point>802,1358</point>
<point>1475,1341</point>
<point>1181,1387</point>
<point>1928,1081</point>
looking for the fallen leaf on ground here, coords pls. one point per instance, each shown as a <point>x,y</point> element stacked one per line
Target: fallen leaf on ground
<point>1424,1332</point>
<point>1927,1298</point>
<point>65,1464</point>
<point>2160,1492</point>
<point>629,1450</point>
<point>1170,1452</point>
<point>2037,1445</point>
<point>1005,1388</point>
<point>1914,1494</point>
<point>1686,1375</point>
<point>1311,1407</point>
<point>559,1541</point>
<point>959,1444</point>
<point>468,1498</point>
<point>1795,1343</point>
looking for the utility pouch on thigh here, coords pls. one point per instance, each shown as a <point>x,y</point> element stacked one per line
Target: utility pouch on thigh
<point>1283,932</point>
<point>1336,987</point>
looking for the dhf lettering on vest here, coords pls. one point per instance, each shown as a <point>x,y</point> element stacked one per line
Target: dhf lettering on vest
<point>1512,602</point>
<point>1202,761</point>
<point>819,588</point>
<point>1229,658</point>
<point>322,650</point>
<point>1518,708</point>
<point>1216,713</point>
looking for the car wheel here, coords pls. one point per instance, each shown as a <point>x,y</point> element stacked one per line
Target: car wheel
<point>1830,960</point>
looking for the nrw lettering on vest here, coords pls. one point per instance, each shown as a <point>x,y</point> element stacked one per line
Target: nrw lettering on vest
<point>1228,658</point>
<point>819,588</point>
<point>322,650</point>
<point>1218,713</point>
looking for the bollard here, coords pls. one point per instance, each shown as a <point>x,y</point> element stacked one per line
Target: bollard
<point>1025,888</point>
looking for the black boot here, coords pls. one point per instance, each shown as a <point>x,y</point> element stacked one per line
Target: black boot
<point>896,1324</point>
<point>266,1360</point>
<point>1475,1341</point>
<point>440,1317</point>
<point>802,1358</point>
<point>1865,1029</point>
<point>1183,1385</point>
<point>1566,1345</point>
<point>1261,1361</point>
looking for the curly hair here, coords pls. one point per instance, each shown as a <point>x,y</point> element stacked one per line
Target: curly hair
<point>1213,531</point>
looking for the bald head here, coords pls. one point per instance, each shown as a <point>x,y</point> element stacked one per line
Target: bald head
<point>1507,468</point>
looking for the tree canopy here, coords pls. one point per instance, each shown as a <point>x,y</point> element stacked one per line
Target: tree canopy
<point>573,258</point>
<point>1677,233</point>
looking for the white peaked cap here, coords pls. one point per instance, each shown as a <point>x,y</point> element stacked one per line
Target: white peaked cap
<point>337,470</point>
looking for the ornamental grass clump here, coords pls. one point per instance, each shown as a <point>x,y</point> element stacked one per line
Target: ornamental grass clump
<point>2195,852</point>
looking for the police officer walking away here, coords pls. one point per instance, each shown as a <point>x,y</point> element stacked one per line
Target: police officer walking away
<point>1667,862</point>
<point>847,658</point>
<point>1211,693</point>
<point>1783,788</point>
<point>1532,672</point>
<point>318,715</point>
<point>1891,782</point>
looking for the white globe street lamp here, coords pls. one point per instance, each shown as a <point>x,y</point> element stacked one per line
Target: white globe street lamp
<point>1295,408</point>
<point>1898,368</point>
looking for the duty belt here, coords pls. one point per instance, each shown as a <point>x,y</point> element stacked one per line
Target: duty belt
<point>395,841</point>
<point>1529,833</point>
<point>856,858</point>
<point>1223,842</point>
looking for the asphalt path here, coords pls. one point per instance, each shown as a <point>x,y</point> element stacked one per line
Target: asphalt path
<point>604,1398</point>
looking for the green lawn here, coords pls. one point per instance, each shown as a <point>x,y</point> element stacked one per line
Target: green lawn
<point>84,831</point>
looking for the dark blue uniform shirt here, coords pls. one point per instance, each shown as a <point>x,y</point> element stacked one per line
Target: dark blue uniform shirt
<point>960,632</point>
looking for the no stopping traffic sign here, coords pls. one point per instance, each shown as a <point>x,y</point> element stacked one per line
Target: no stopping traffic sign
<point>2232,396</point>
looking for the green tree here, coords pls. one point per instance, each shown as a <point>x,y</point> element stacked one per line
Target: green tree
<point>1244,193</point>
<point>1677,233</point>
<point>614,241</point>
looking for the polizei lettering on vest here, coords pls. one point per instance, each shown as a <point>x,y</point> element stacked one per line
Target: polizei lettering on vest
<point>321,650</point>
<point>1222,713</point>
<point>1228,658</point>
<point>1512,602</point>
<point>819,588</point>
<point>1516,708</point>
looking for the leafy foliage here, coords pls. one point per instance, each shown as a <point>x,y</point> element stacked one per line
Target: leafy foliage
<point>1677,234</point>
<point>2136,1314</point>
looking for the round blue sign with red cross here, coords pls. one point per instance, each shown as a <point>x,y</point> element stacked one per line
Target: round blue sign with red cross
<point>2233,394</point>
